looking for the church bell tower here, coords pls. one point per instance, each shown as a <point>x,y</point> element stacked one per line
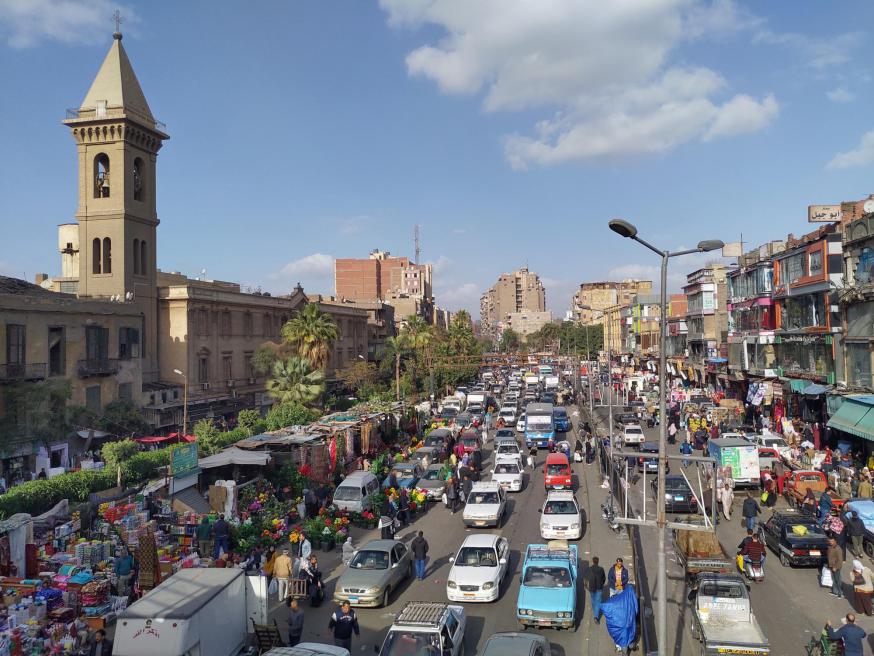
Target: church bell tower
<point>118,139</point>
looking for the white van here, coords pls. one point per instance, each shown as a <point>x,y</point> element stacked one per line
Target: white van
<point>353,492</point>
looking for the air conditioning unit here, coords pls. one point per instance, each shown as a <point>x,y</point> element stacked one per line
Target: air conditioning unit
<point>231,382</point>
<point>252,381</point>
<point>204,386</point>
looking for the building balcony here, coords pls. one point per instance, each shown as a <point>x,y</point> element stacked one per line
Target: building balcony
<point>12,373</point>
<point>97,367</point>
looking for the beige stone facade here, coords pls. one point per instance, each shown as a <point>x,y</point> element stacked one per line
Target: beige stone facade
<point>592,298</point>
<point>526,323</point>
<point>519,291</point>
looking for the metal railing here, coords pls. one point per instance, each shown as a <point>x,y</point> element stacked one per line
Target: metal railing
<point>97,367</point>
<point>18,371</point>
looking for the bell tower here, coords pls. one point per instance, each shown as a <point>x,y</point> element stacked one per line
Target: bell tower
<point>118,139</point>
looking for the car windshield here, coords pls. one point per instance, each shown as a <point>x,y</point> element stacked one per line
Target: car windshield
<point>504,433</point>
<point>555,469</point>
<point>539,422</point>
<point>484,497</point>
<point>507,468</point>
<point>547,577</point>
<point>369,559</point>
<point>347,493</point>
<point>476,557</point>
<point>469,441</point>
<point>463,421</point>
<point>633,431</point>
<point>560,414</point>
<point>434,441</point>
<point>432,475</point>
<point>677,487</point>
<point>508,448</point>
<point>410,643</point>
<point>563,507</point>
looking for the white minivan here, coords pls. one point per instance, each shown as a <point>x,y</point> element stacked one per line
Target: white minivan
<point>354,492</point>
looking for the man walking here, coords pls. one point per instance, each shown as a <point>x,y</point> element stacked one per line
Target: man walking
<point>451,492</point>
<point>617,577</point>
<point>295,622</point>
<point>221,531</point>
<point>282,569</point>
<point>856,531</point>
<point>343,623</point>
<point>850,634</point>
<point>835,562</point>
<point>204,537</point>
<point>419,547</point>
<point>750,510</point>
<point>594,580</point>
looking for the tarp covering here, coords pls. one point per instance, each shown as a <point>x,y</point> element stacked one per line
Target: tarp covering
<point>46,522</point>
<point>234,456</point>
<point>621,613</point>
<point>156,439</point>
<point>855,416</point>
<point>96,434</point>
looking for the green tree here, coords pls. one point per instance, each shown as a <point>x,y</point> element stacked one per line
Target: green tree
<point>122,418</point>
<point>393,351</point>
<point>289,414</point>
<point>510,341</point>
<point>115,453</point>
<point>250,421</point>
<point>36,412</point>
<point>357,374</point>
<point>207,437</point>
<point>265,357</point>
<point>295,381</point>
<point>312,333</point>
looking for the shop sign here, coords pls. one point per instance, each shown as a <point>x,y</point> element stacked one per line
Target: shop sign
<point>803,339</point>
<point>183,460</point>
<point>823,213</point>
<point>777,388</point>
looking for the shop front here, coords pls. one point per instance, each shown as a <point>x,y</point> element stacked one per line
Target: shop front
<point>851,424</point>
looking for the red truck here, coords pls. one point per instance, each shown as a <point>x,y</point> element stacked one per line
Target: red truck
<point>798,482</point>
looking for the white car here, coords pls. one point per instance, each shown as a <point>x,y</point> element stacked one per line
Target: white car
<point>633,434</point>
<point>478,568</point>
<point>508,472</point>
<point>520,425</point>
<point>773,441</point>
<point>505,448</point>
<point>560,517</point>
<point>486,505</point>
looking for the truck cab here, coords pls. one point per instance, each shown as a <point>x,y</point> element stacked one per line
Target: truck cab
<point>722,617</point>
<point>548,590</point>
<point>425,627</point>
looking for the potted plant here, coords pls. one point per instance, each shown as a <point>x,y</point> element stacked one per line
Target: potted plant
<point>313,531</point>
<point>328,536</point>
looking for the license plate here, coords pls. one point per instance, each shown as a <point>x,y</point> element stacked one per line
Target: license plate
<point>815,553</point>
<point>679,498</point>
<point>468,594</point>
<point>353,600</point>
<point>543,621</point>
<point>480,523</point>
<point>559,487</point>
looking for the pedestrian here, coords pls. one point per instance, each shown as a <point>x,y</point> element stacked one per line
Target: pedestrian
<point>295,622</point>
<point>617,577</point>
<point>863,587</point>
<point>844,490</point>
<point>856,532</point>
<point>123,568</point>
<point>101,645</point>
<point>686,450</point>
<point>750,510</point>
<point>221,533</point>
<point>466,487</point>
<point>779,475</point>
<point>403,507</point>
<point>825,507</point>
<point>672,433</point>
<point>835,563</point>
<point>594,580</point>
<point>348,550</point>
<point>865,489</point>
<point>313,576</point>
<point>419,547</point>
<point>343,623</point>
<point>850,634</point>
<point>42,474</point>
<point>203,533</point>
<point>282,569</point>
<point>451,493</point>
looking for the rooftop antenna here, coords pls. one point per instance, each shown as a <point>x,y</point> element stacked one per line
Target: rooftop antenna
<point>416,241</point>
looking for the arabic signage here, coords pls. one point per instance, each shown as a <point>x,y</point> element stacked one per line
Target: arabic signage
<point>823,213</point>
<point>183,459</point>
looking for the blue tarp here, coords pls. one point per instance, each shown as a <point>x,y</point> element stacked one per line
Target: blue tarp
<point>621,613</point>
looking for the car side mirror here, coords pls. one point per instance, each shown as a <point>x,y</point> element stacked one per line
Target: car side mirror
<point>503,561</point>
<point>451,559</point>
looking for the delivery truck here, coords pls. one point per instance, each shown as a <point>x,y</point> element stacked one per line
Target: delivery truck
<point>741,456</point>
<point>195,612</point>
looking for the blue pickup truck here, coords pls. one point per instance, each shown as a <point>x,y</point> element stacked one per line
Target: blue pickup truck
<point>548,592</point>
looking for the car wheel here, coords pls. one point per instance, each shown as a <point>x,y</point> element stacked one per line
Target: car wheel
<point>410,571</point>
<point>784,559</point>
<point>869,548</point>
<point>386,598</point>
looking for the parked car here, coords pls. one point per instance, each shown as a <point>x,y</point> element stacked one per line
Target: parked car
<point>795,538</point>
<point>561,420</point>
<point>464,419</point>
<point>626,418</point>
<point>432,482</point>
<point>548,591</point>
<point>407,473</point>
<point>426,627</point>
<point>478,568</point>
<point>471,441</point>
<point>505,433</point>
<point>678,495</point>
<point>485,505</point>
<point>508,472</point>
<point>560,517</point>
<point>376,569</point>
<point>557,472</point>
<point>516,643</point>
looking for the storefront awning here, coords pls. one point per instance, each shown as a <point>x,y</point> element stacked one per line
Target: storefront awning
<point>854,417</point>
<point>234,456</point>
<point>815,389</point>
<point>798,385</point>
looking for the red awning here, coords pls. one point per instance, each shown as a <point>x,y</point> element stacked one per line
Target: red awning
<point>172,437</point>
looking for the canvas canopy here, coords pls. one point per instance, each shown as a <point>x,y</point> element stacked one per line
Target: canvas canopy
<point>234,456</point>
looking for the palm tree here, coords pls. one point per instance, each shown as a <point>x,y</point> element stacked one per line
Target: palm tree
<point>418,333</point>
<point>397,348</point>
<point>312,333</point>
<point>295,381</point>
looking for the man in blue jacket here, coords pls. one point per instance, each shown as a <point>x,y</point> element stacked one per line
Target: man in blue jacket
<point>617,577</point>
<point>851,635</point>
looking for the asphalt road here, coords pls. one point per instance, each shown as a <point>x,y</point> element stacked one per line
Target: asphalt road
<point>445,534</point>
<point>789,604</point>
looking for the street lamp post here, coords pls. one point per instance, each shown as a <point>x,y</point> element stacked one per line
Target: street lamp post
<point>184,403</point>
<point>629,231</point>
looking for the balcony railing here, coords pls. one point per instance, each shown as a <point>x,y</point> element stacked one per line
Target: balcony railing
<point>97,367</point>
<point>10,373</point>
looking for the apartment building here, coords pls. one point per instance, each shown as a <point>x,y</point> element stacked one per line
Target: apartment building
<point>592,298</point>
<point>519,291</point>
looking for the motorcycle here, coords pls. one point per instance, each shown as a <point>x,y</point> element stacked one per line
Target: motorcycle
<point>754,570</point>
<point>608,512</point>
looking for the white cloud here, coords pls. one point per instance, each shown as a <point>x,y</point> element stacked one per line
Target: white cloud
<point>24,23</point>
<point>315,266</point>
<point>601,68</point>
<point>464,296</point>
<point>840,95</point>
<point>441,265</point>
<point>355,225</point>
<point>860,156</point>
<point>818,53</point>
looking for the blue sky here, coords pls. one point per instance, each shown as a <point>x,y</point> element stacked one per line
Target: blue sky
<point>511,131</point>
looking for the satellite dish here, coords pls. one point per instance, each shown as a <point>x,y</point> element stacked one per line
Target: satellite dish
<point>868,206</point>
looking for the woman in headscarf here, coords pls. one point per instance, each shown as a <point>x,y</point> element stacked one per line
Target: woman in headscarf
<point>808,504</point>
<point>825,507</point>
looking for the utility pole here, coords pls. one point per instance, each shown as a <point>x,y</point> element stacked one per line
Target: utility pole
<point>416,242</point>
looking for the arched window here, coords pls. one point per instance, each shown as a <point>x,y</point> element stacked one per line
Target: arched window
<point>139,178</point>
<point>143,259</point>
<point>95,255</point>
<point>136,257</point>
<point>101,176</point>
<point>107,255</point>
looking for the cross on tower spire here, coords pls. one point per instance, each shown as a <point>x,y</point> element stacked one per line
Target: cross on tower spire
<point>116,16</point>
